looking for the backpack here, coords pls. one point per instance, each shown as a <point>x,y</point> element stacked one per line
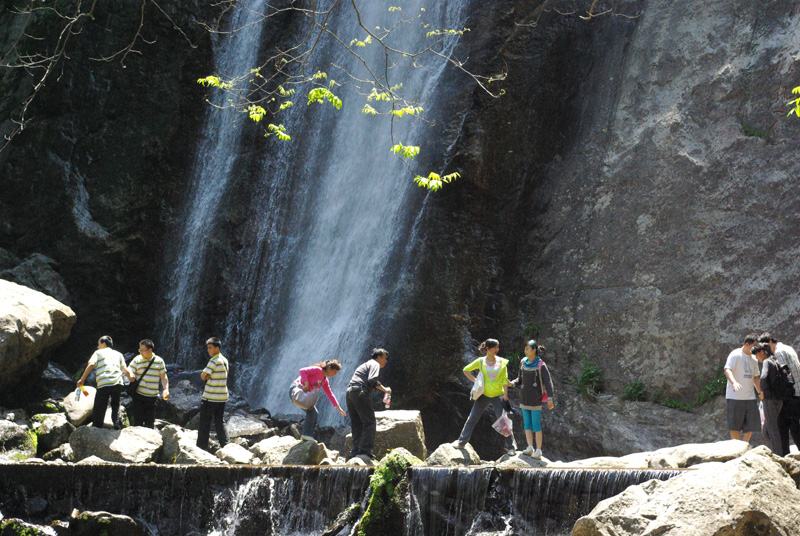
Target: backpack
<point>782,384</point>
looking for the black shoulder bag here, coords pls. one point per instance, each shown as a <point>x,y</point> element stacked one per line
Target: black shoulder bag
<point>135,384</point>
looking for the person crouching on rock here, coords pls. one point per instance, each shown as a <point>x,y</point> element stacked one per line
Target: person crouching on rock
<point>147,369</point>
<point>108,366</point>
<point>536,388</point>
<point>494,370</point>
<point>215,394</point>
<point>770,375</point>
<point>359,402</point>
<point>305,391</point>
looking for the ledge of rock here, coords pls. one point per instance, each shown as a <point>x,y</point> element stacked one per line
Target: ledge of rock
<point>135,444</point>
<point>396,429</point>
<point>448,454</point>
<point>180,447</point>
<point>31,325</point>
<point>750,495</point>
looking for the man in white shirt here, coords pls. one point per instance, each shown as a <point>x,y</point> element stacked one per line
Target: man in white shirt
<point>744,380</point>
<point>108,366</point>
<point>789,419</point>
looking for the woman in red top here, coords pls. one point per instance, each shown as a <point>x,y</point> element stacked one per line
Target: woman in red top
<point>306,389</point>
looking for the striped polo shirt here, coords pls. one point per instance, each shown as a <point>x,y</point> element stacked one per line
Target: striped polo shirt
<point>148,385</point>
<point>107,364</point>
<point>217,384</point>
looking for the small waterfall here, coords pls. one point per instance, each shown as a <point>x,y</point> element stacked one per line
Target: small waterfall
<point>299,503</point>
<point>532,502</point>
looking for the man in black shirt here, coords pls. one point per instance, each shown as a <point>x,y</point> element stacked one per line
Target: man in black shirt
<point>359,403</point>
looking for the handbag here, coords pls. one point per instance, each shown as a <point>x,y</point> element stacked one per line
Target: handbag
<point>135,384</point>
<point>304,400</point>
<point>477,386</point>
<point>545,397</point>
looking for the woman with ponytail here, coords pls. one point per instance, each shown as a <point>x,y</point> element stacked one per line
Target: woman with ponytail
<point>536,389</point>
<point>305,391</point>
<point>494,370</point>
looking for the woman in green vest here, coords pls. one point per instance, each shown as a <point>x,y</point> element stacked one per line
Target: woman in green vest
<point>494,370</point>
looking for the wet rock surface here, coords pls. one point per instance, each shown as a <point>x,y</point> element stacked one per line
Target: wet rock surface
<point>135,444</point>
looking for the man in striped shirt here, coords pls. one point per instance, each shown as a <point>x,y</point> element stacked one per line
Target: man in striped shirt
<point>215,395</point>
<point>147,369</point>
<point>108,366</point>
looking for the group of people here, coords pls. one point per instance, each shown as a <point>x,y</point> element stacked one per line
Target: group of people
<point>144,373</point>
<point>490,371</point>
<point>776,385</point>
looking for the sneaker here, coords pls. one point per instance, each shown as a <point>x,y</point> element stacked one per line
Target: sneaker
<point>537,453</point>
<point>528,451</point>
<point>511,452</point>
<point>458,444</point>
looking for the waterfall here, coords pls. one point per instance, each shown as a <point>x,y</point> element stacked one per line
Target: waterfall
<point>534,502</point>
<point>328,215</point>
<point>304,501</point>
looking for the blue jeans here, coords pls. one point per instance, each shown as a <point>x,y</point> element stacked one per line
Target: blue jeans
<point>478,409</point>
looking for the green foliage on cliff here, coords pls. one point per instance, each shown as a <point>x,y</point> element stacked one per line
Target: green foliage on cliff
<point>635,391</point>
<point>384,508</point>
<point>712,389</point>
<point>15,527</point>
<point>589,380</point>
<point>795,103</point>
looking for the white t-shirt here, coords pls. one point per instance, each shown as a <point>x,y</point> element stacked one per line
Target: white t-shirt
<point>744,368</point>
<point>108,365</point>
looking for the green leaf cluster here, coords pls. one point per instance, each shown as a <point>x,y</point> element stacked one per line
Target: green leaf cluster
<point>322,94</point>
<point>447,32</point>
<point>712,389</point>
<point>795,103</point>
<point>635,391</point>
<point>279,131</point>
<point>361,43</point>
<point>256,112</point>
<point>406,151</point>
<point>214,81</point>
<point>589,380</point>
<point>434,181</point>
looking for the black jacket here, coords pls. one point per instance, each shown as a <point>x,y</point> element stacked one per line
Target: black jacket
<point>530,387</point>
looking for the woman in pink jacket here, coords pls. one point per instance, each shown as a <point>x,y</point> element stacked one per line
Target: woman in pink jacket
<point>306,389</point>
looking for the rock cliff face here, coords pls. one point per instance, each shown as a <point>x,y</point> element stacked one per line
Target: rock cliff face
<point>631,199</point>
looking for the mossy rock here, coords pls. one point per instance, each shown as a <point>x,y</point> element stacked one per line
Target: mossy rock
<point>17,527</point>
<point>386,509</point>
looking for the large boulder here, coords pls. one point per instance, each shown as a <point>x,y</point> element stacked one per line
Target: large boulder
<point>249,427</point>
<point>180,447</point>
<point>183,404</point>
<point>448,454</point>
<point>235,454</point>
<point>17,442</point>
<point>52,430</point>
<point>31,325</point>
<point>63,452</point>
<point>99,523</point>
<point>750,495</point>
<point>396,429</point>
<point>273,450</point>
<point>135,444</point>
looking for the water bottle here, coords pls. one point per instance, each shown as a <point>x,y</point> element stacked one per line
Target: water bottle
<point>387,399</point>
<point>78,394</point>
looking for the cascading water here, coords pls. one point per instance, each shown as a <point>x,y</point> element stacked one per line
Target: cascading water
<point>534,502</point>
<point>235,53</point>
<point>326,212</point>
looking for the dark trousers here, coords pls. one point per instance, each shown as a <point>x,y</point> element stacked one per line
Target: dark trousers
<point>144,411</point>
<point>479,407</point>
<point>771,428</point>
<point>789,423</point>
<point>101,399</point>
<point>208,411</point>
<point>362,422</point>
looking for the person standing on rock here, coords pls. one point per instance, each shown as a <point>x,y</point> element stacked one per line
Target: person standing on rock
<point>536,388</point>
<point>741,370</point>
<point>359,402</point>
<point>789,420</point>
<point>147,369</point>
<point>215,395</point>
<point>305,390</point>
<point>494,370</point>
<point>108,366</point>
<point>770,397</point>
